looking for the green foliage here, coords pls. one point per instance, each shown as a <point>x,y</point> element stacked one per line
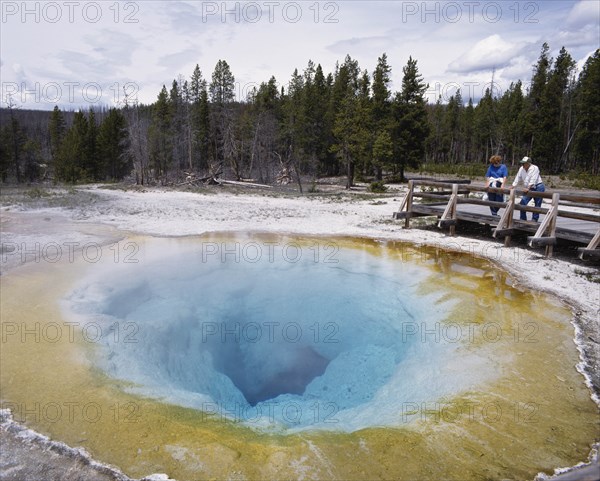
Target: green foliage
<point>383,149</point>
<point>71,160</point>
<point>198,120</point>
<point>587,134</point>
<point>12,139</point>
<point>32,161</point>
<point>411,127</point>
<point>548,123</point>
<point>222,84</point>
<point>93,161</point>
<point>352,127</point>
<point>112,147</point>
<point>347,121</point>
<point>378,187</point>
<point>584,180</point>
<point>548,141</point>
<point>381,99</point>
<point>511,121</point>
<point>56,130</point>
<point>160,136</point>
<point>454,170</point>
<point>222,94</point>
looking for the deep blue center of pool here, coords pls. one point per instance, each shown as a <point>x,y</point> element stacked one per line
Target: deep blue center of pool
<point>314,329</point>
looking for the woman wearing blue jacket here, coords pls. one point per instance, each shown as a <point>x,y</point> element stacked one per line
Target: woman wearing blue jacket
<point>496,177</point>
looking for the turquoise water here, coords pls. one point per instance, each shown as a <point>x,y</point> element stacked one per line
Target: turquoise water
<point>286,336</point>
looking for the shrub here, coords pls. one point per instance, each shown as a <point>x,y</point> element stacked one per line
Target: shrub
<point>378,186</point>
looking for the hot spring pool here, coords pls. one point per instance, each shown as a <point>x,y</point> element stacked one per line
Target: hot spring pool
<point>280,334</point>
<point>272,356</point>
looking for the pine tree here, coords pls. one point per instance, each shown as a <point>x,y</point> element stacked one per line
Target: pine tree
<point>200,121</point>
<point>222,95</point>
<point>113,146</point>
<point>435,139</point>
<point>451,128</point>
<point>382,115</point>
<point>160,138</point>
<point>412,129</point>
<point>485,128</point>
<point>350,127</point>
<point>381,92</point>
<point>71,166</point>
<point>554,113</point>
<point>32,160</point>
<point>203,126</point>
<point>315,98</point>
<point>179,130</point>
<point>587,130</point>
<point>365,160</point>
<point>383,151</point>
<point>4,153</point>
<point>222,86</point>
<point>295,122</point>
<point>539,80</point>
<point>266,122</point>
<point>16,141</point>
<point>56,130</point>
<point>92,159</point>
<point>13,139</point>
<point>468,129</point>
<point>511,122</point>
<point>321,121</point>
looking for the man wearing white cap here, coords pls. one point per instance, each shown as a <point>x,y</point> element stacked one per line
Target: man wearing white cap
<point>529,174</point>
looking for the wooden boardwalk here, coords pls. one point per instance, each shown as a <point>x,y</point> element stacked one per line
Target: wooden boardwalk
<point>562,219</point>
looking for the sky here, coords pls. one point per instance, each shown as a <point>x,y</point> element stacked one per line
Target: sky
<point>77,54</point>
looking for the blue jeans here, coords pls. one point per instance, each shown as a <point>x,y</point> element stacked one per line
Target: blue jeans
<point>492,196</point>
<point>537,201</point>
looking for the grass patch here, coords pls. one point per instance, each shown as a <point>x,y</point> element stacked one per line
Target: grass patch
<point>37,193</point>
<point>590,276</point>
<point>584,181</point>
<point>454,170</point>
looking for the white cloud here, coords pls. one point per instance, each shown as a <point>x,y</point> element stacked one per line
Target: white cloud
<point>489,53</point>
<point>581,62</point>
<point>170,38</point>
<point>174,62</point>
<point>353,46</point>
<point>584,13</point>
<point>584,36</point>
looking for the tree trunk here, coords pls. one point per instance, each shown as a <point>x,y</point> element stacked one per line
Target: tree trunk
<point>350,172</point>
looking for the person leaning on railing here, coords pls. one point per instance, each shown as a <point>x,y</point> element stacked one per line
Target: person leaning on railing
<point>529,174</point>
<point>496,177</point>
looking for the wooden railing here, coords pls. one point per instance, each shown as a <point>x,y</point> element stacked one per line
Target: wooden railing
<point>545,234</point>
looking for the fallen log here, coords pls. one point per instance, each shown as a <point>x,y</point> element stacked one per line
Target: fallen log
<point>244,184</point>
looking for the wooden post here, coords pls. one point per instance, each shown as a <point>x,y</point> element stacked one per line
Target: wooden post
<point>409,202</point>
<point>405,209</point>
<point>555,201</point>
<point>510,211</point>
<point>453,213</point>
<point>591,247</point>
<point>449,215</point>
<point>549,222</point>
<point>506,220</point>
